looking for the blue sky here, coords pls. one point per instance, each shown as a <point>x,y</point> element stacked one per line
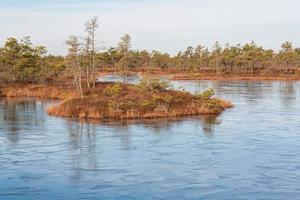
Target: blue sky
<point>166,25</point>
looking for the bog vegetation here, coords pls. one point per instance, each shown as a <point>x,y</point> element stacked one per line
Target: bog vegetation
<point>151,98</point>
<point>20,61</point>
<point>28,70</point>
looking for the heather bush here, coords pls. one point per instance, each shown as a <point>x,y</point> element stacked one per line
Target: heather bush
<point>206,95</point>
<point>113,90</point>
<point>120,106</point>
<point>148,105</point>
<point>154,84</point>
<point>163,99</point>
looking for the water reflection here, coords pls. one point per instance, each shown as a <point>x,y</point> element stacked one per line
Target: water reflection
<point>20,118</point>
<point>209,122</point>
<point>160,125</point>
<point>83,147</point>
<point>288,93</point>
<point>19,113</point>
<point>250,151</point>
<point>16,113</point>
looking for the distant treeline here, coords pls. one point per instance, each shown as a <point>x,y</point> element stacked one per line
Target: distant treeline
<point>250,59</point>
<point>20,61</point>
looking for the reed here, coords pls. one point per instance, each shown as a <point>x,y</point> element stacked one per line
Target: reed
<point>40,91</point>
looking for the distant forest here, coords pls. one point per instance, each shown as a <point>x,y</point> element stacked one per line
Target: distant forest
<point>20,61</point>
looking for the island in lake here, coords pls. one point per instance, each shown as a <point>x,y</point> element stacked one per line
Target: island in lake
<point>149,100</point>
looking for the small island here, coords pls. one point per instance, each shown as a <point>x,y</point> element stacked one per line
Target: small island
<point>151,98</point>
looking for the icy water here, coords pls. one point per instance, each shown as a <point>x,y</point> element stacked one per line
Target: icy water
<point>249,152</point>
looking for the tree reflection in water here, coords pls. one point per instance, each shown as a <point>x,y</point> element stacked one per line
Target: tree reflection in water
<point>160,125</point>
<point>288,93</point>
<point>23,119</point>
<point>19,113</point>
<point>83,147</point>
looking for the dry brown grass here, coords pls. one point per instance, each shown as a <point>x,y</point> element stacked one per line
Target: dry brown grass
<point>117,101</point>
<point>134,103</point>
<point>40,91</point>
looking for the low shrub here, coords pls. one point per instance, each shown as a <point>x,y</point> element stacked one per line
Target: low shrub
<point>154,84</point>
<point>120,106</point>
<point>113,90</point>
<point>213,105</point>
<point>163,99</point>
<point>206,95</point>
<point>148,105</point>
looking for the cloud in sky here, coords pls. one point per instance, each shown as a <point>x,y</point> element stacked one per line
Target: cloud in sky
<point>166,25</point>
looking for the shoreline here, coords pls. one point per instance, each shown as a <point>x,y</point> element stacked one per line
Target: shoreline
<point>118,101</point>
<point>202,76</point>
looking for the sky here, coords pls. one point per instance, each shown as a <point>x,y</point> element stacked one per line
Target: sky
<point>164,25</point>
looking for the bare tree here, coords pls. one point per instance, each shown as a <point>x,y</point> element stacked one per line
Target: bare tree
<point>74,62</point>
<point>124,47</point>
<point>91,27</point>
<point>87,60</point>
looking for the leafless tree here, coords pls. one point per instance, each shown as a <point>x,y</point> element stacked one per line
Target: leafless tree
<point>73,60</point>
<point>91,27</point>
